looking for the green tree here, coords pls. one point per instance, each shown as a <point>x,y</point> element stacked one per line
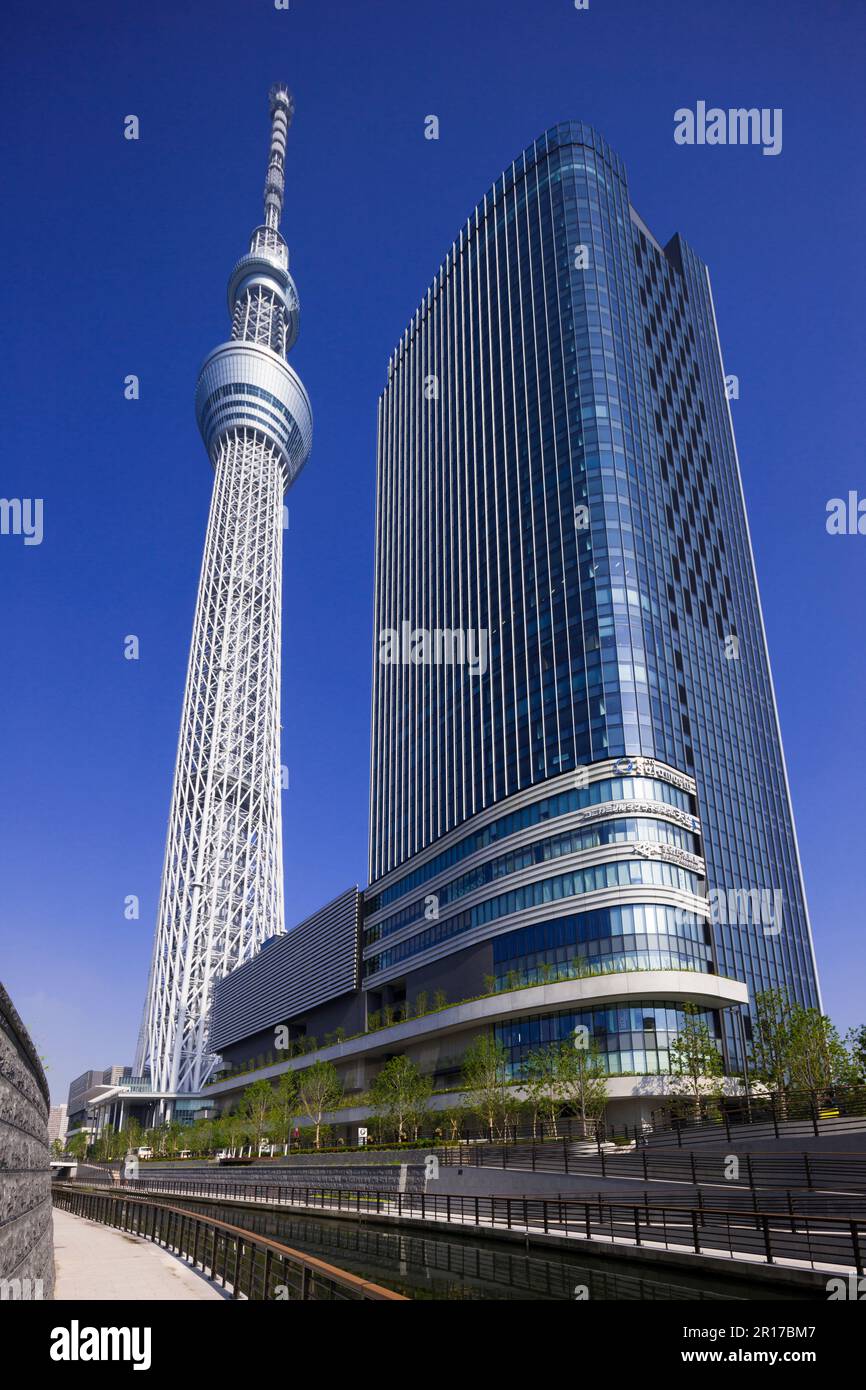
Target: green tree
<point>132,1134</point>
<point>76,1147</point>
<point>174,1136</point>
<point>218,1137</point>
<point>817,1058</point>
<point>319,1090</point>
<point>195,1136</point>
<point>257,1104</point>
<point>400,1094</point>
<point>855,1040</point>
<point>771,1039</point>
<point>542,1084</point>
<point>285,1105</point>
<point>107,1146</point>
<point>485,1078</point>
<point>581,1078</point>
<point>453,1119</point>
<point>513,1107</point>
<point>235,1128</point>
<point>695,1061</point>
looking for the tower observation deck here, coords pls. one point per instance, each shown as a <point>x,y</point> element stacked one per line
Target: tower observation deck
<point>222,881</point>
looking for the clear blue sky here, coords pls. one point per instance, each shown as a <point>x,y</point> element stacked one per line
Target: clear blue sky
<point>116,260</point>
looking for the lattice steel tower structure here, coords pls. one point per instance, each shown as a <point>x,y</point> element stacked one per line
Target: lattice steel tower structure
<point>222,881</point>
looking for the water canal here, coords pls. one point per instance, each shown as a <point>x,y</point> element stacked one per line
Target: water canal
<point>434,1265</point>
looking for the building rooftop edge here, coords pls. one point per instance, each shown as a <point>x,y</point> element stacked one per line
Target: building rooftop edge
<point>551,138</point>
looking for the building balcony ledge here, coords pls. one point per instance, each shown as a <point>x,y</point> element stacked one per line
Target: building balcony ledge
<point>688,986</point>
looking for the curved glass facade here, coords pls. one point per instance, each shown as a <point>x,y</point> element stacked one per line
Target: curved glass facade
<point>626,873</point>
<point>557,472</point>
<point>633,1038</point>
<point>614,832</point>
<point>639,936</point>
<point>630,788</point>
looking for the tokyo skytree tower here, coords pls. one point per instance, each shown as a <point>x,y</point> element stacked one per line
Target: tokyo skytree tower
<point>222,879</point>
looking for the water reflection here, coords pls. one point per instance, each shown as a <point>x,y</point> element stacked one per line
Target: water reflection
<point>440,1266</point>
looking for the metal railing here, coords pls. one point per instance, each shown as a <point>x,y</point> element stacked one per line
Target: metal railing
<point>758,1115</point>
<point>828,1172</point>
<point>251,1266</point>
<point>768,1237</point>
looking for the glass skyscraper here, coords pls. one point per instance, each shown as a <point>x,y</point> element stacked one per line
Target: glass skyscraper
<point>577,776</point>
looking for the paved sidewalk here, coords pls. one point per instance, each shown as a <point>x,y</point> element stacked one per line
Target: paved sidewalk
<point>93,1261</point>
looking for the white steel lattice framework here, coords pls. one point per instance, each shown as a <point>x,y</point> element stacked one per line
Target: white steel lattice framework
<point>222,882</point>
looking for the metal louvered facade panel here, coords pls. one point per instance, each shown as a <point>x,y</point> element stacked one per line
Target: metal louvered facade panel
<point>315,962</point>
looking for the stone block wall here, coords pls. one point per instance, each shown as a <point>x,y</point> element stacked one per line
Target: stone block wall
<point>26,1235</point>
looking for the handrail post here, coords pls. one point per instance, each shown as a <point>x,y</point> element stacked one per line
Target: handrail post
<point>765,1223</point>
<point>791,1213</point>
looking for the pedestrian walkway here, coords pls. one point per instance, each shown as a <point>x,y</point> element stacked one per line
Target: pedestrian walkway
<point>93,1261</point>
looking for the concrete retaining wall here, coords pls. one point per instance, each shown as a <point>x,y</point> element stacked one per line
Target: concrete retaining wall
<point>367,1177</point>
<point>175,1168</point>
<point>26,1232</point>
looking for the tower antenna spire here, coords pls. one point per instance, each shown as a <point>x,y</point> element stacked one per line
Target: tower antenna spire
<point>282,109</point>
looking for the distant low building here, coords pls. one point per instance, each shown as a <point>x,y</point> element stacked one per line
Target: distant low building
<point>84,1090</point>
